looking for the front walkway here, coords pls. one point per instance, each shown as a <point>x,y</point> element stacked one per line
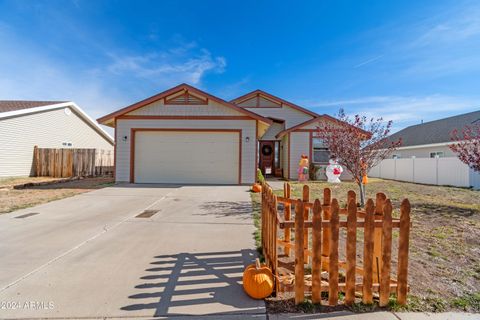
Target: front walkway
<point>90,256</point>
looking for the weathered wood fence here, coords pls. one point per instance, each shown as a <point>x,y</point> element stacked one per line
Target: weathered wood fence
<point>316,240</point>
<point>64,163</point>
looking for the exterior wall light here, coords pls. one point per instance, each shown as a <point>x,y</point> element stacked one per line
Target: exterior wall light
<point>247,139</point>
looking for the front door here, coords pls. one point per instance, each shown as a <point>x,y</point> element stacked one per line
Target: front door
<point>267,156</point>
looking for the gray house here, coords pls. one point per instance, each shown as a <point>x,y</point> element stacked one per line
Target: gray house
<point>431,139</point>
<point>46,124</point>
<point>425,156</point>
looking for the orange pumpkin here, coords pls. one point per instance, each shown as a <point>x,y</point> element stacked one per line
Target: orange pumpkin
<point>258,280</point>
<point>257,187</point>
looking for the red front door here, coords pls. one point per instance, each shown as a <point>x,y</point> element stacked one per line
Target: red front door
<point>267,156</point>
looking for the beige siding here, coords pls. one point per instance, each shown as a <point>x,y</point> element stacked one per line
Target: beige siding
<point>18,136</point>
<point>299,144</point>
<point>248,148</point>
<point>315,125</point>
<point>291,116</point>
<point>212,109</point>
<point>424,152</point>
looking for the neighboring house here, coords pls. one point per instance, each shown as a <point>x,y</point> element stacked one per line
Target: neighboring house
<point>46,124</point>
<point>431,139</point>
<point>424,156</point>
<point>185,135</point>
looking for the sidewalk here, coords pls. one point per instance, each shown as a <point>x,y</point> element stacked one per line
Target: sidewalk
<point>344,315</point>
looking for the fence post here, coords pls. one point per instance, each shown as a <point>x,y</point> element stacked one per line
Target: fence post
<point>386,253</point>
<point>351,251</point>
<point>317,252</point>
<point>333,256</point>
<point>287,189</point>
<point>327,199</point>
<point>368,252</point>
<point>403,243</point>
<point>299,253</point>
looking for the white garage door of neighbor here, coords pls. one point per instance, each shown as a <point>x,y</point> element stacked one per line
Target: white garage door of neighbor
<point>186,157</point>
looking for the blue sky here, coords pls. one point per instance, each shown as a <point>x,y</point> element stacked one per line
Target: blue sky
<point>403,60</point>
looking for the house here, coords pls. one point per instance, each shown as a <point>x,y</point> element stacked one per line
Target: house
<point>425,156</point>
<point>185,135</point>
<point>431,139</point>
<point>46,124</point>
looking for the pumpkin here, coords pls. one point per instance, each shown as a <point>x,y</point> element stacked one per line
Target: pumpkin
<point>257,187</point>
<point>258,280</point>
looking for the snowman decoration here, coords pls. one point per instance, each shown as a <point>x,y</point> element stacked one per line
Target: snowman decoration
<point>333,171</point>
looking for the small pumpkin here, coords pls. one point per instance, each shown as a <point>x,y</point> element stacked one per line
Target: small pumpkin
<point>257,187</point>
<point>258,280</point>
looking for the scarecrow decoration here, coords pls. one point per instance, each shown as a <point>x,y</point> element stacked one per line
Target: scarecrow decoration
<point>303,169</point>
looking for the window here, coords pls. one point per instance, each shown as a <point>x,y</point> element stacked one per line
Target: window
<point>436,154</point>
<point>321,154</point>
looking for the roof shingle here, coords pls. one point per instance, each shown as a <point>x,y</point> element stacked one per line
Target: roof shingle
<point>437,131</point>
<point>13,105</point>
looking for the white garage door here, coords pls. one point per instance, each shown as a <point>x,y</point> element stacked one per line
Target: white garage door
<point>186,157</point>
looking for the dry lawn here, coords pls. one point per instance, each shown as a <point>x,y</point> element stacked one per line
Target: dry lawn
<point>444,268</point>
<point>12,199</point>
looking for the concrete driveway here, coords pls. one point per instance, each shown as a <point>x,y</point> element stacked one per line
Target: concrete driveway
<point>90,256</point>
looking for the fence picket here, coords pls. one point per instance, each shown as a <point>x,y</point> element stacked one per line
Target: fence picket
<point>333,257</point>
<point>368,252</point>
<point>287,189</point>
<point>386,253</point>
<point>377,243</point>
<point>403,244</point>
<point>351,250</point>
<point>306,198</point>
<point>317,252</point>
<point>299,254</point>
<point>327,199</point>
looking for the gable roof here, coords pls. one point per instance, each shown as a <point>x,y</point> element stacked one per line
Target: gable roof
<point>174,90</point>
<point>12,105</point>
<point>311,121</point>
<point>275,98</point>
<point>437,131</point>
<point>17,108</point>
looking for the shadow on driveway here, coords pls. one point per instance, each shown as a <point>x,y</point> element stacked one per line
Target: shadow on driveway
<point>195,283</point>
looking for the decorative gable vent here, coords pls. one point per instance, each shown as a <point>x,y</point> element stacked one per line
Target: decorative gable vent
<point>259,101</point>
<point>185,98</point>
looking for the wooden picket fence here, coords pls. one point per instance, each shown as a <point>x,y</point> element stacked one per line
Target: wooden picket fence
<point>316,240</point>
<point>65,163</point>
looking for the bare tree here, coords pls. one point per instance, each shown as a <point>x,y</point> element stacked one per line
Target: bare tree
<point>467,146</point>
<point>358,143</point>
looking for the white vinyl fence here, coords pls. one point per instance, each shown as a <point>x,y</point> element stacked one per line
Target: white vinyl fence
<point>439,171</point>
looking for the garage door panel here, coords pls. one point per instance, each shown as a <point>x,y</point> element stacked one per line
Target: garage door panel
<point>186,157</point>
